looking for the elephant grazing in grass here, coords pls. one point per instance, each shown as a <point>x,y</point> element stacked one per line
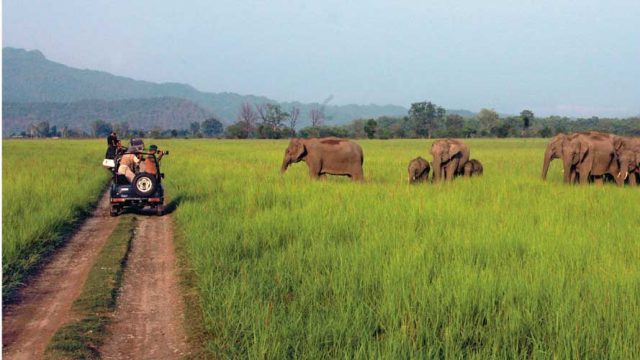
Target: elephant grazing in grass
<point>418,170</point>
<point>590,154</point>
<point>473,167</point>
<point>449,157</point>
<point>328,155</point>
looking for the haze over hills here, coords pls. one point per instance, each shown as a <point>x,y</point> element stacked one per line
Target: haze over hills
<point>165,113</point>
<point>37,89</point>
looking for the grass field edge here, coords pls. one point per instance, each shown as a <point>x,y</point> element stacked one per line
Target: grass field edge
<point>82,338</point>
<point>14,279</point>
<point>193,313</point>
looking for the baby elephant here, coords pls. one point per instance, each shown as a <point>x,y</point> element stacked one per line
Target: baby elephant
<point>418,170</point>
<point>472,167</point>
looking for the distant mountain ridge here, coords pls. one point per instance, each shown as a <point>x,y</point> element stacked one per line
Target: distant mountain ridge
<point>165,113</point>
<point>29,77</point>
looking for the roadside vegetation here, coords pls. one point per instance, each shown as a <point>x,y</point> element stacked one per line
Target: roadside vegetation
<point>48,186</point>
<point>503,265</point>
<point>81,339</point>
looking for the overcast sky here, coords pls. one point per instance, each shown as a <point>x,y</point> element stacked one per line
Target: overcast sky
<point>574,58</point>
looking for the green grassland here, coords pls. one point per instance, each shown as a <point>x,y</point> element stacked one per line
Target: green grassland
<point>504,265</point>
<point>46,186</point>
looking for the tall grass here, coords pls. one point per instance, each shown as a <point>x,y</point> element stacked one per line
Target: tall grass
<point>47,185</point>
<point>504,265</point>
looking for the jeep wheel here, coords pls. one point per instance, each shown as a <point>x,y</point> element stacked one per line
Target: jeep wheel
<point>144,184</point>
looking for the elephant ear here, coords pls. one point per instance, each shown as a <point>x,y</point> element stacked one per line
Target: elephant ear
<point>454,149</point>
<point>300,150</point>
<point>617,143</point>
<point>583,150</point>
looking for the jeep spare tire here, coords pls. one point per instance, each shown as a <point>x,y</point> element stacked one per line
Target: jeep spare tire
<point>144,184</point>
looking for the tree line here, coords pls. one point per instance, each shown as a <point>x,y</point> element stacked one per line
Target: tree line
<point>423,120</point>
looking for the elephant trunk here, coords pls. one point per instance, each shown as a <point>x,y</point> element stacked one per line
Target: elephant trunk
<point>437,171</point>
<point>285,164</point>
<point>567,170</point>
<point>545,164</point>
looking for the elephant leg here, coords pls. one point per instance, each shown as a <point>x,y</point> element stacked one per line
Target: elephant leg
<point>598,180</point>
<point>357,175</point>
<point>574,178</point>
<point>632,179</point>
<point>451,168</point>
<point>314,170</point>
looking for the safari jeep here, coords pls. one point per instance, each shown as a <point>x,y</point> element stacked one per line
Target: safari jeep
<point>144,191</point>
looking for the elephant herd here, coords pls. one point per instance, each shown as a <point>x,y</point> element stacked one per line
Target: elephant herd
<point>587,156</point>
<point>595,156</point>
<point>337,156</point>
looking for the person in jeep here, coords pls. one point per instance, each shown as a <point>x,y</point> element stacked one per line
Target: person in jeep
<point>128,164</point>
<point>148,164</point>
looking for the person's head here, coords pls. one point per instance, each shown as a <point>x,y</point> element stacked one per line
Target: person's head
<point>119,143</point>
<point>153,149</point>
<point>113,133</point>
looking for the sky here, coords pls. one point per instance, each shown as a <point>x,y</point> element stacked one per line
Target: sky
<point>560,57</point>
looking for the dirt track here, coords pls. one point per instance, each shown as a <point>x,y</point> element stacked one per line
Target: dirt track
<point>45,304</point>
<point>148,323</point>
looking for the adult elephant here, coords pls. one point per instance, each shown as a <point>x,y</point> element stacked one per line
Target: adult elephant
<point>554,151</point>
<point>628,152</point>
<point>449,157</point>
<point>590,154</point>
<point>329,155</point>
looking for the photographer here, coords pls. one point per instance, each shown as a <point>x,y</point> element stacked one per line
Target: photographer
<point>149,165</point>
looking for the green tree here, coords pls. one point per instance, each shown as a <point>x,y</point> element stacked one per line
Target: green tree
<point>370,128</point>
<point>454,124</point>
<point>42,129</point>
<point>237,130</point>
<point>195,128</point>
<point>424,115</point>
<point>527,119</point>
<point>101,128</point>
<point>272,115</point>
<point>489,121</point>
<point>212,127</point>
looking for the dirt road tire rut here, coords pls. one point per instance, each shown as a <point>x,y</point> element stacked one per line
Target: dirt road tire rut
<point>148,322</point>
<point>45,303</point>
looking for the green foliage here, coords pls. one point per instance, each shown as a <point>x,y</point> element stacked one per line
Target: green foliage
<point>527,118</point>
<point>211,127</point>
<point>370,128</point>
<point>499,266</point>
<point>48,186</point>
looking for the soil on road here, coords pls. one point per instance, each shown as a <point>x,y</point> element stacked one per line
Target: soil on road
<point>45,303</point>
<point>148,322</point>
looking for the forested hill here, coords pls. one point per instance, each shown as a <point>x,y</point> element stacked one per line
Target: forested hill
<point>28,77</point>
<point>165,113</point>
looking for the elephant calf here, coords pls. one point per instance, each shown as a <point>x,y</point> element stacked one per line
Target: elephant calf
<point>473,167</point>
<point>418,170</point>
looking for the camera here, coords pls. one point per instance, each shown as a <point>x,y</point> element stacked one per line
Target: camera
<point>165,152</point>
